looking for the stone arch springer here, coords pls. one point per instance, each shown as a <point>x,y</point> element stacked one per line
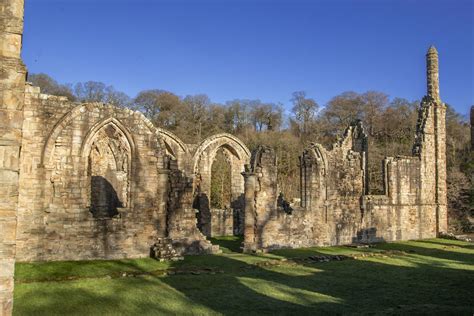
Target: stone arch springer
<point>171,138</point>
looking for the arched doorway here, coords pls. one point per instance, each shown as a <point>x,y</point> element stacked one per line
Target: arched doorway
<point>221,181</point>
<point>219,186</point>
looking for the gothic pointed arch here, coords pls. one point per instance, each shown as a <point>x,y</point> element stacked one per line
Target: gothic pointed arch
<point>237,155</point>
<point>46,159</point>
<point>313,164</point>
<point>46,154</point>
<point>213,143</point>
<point>108,151</point>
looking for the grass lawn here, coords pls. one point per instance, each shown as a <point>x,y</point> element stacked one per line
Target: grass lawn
<point>428,277</point>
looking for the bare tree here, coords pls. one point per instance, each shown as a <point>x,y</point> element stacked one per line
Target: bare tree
<point>304,110</point>
<point>162,107</point>
<point>196,107</point>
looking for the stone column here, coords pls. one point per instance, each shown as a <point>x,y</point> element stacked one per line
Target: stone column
<point>439,110</point>
<point>163,178</point>
<point>432,73</point>
<point>441,185</point>
<point>12,93</point>
<point>250,179</point>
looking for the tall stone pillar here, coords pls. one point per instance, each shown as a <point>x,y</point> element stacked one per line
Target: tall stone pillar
<point>163,203</point>
<point>12,90</point>
<point>439,110</point>
<point>249,211</point>
<point>432,73</point>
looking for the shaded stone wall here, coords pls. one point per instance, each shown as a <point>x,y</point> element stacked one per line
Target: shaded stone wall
<point>182,224</point>
<point>268,226</point>
<point>335,208</point>
<point>12,83</point>
<point>222,222</point>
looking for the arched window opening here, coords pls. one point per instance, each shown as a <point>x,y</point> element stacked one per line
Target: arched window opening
<point>108,170</point>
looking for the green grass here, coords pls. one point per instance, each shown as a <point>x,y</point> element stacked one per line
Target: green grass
<point>428,277</point>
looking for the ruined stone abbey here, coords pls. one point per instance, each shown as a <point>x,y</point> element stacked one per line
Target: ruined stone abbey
<point>94,181</point>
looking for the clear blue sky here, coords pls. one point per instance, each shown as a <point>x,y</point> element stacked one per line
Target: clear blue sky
<point>257,49</point>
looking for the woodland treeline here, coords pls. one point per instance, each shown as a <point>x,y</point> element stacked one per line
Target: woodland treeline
<point>390,124</point>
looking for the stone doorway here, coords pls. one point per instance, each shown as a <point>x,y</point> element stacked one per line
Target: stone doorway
<point>222,214</point>
<point>218,163</point>
<point>218,198</point>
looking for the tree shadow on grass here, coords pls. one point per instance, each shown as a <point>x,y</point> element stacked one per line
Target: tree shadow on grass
<point>395,285</point>
<point>149,295</point>
<point>337,287</point>
<point>449,243</point>
<point>440,251</point>
<point>415,287</point>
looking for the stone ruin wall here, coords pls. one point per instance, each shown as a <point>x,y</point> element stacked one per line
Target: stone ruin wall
<point>335,206</point>
<point>12,83</point>
<point>101,182</point>
<point>97,181</point>
<point>90,180</point>
<point>332,183</point>
<point>222,222</point>
<point>93,181</point>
